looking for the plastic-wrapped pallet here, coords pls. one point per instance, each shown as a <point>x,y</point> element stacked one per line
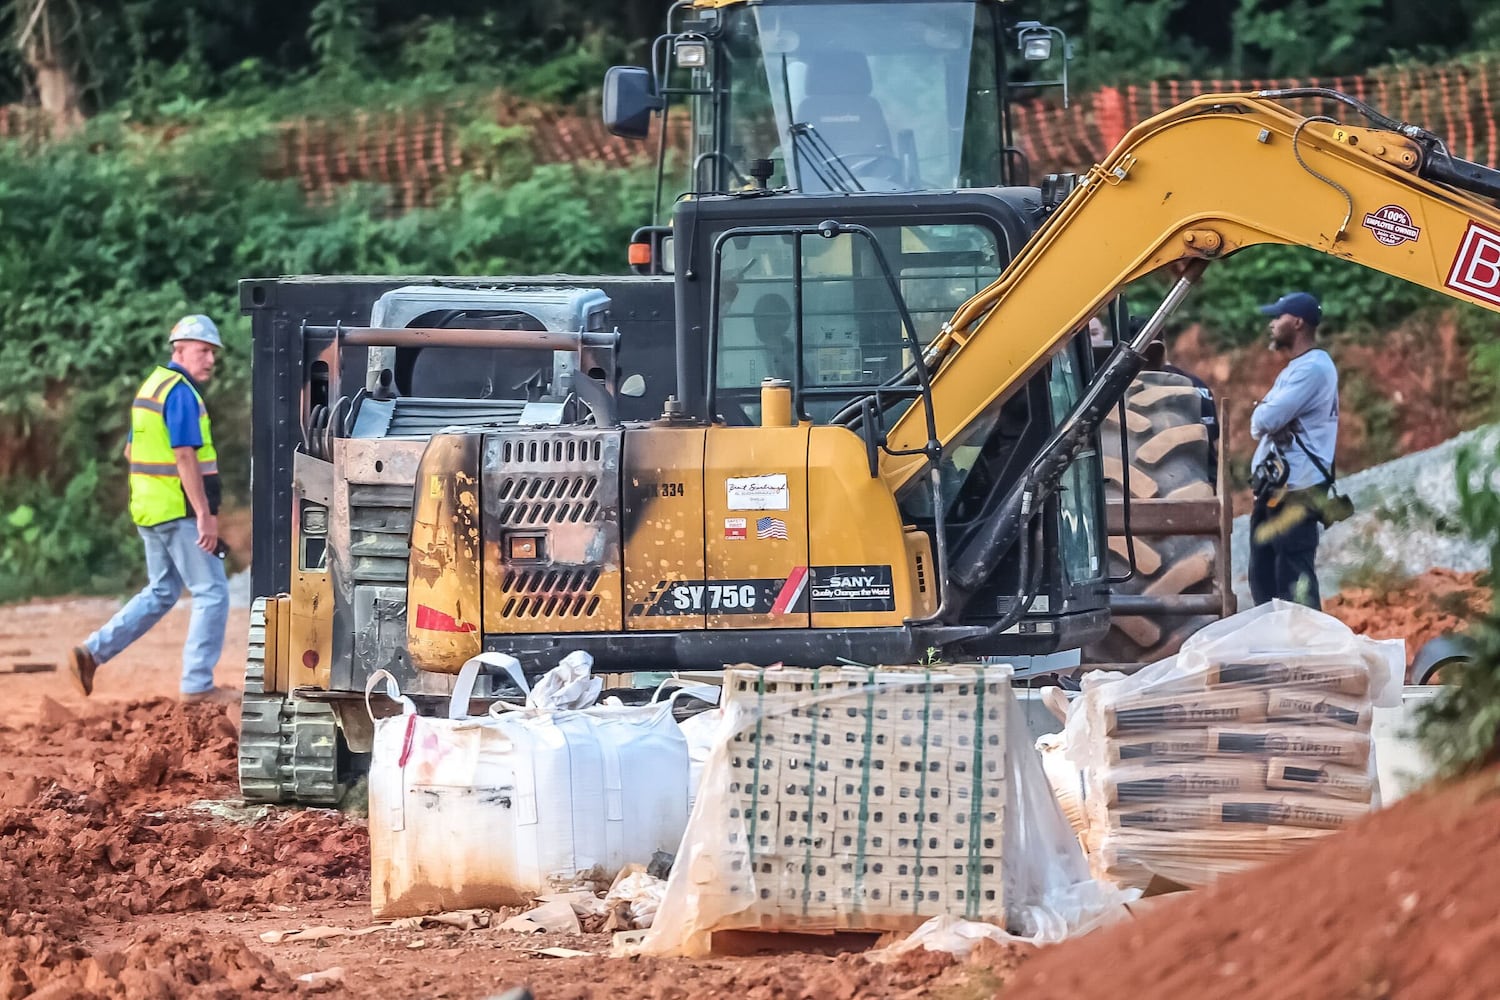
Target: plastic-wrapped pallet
<point>872,799</point>
<point>1252,740</point>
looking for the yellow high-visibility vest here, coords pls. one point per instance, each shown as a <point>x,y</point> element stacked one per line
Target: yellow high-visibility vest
<point>156,494</point>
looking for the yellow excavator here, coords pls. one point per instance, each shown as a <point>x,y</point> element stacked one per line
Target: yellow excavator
<point>807,514</point>
<point>851,417</point>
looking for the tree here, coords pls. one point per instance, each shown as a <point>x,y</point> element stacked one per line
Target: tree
<point>45,36</point>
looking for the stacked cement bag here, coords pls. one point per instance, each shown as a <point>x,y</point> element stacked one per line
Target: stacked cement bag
<point>1253,740</point>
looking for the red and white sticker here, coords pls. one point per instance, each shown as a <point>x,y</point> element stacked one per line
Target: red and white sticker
<point>796,582</point>
<point>1476,267</point>
<point>1391,225</point>
<point>735,527</point>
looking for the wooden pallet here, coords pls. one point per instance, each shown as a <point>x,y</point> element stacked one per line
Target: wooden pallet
<point>817,934</point>
<point>762,942</point>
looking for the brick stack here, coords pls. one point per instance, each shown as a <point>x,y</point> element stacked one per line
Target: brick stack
<point>864,799</point>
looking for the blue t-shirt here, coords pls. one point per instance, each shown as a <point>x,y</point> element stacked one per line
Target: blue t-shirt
<point>180,410</point>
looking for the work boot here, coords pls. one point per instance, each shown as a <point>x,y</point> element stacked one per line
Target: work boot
<point>81,665</point>
<point>213,696</point>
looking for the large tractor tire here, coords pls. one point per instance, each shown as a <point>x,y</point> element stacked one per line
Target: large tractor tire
<point>1169,459</point>
<point>291,750</point>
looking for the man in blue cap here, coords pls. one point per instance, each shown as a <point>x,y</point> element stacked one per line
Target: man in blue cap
<point>174,501</point>
<point>1296,426</point>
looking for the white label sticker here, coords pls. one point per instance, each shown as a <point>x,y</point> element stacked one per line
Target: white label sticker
<point>1392,225</point>
<point>758,492</point>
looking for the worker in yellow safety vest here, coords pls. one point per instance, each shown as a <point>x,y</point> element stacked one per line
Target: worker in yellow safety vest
<point>174,501</point>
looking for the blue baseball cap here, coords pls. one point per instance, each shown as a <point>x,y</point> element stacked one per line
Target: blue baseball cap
<point>1300,304</point>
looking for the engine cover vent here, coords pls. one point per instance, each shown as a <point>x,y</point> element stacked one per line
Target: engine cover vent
<point>551,525</point>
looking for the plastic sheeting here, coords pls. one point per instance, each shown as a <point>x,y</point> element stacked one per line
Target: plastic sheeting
<point>855,798</point>
<point>1252,740</point>
<point>569,685</point>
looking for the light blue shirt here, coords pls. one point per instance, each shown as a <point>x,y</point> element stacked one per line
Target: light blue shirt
<point>1305,399</point>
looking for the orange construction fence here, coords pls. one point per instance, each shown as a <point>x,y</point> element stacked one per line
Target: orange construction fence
<point>412,151</point>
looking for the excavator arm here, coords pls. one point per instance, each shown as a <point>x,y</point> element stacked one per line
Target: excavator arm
<point>1196,183</point>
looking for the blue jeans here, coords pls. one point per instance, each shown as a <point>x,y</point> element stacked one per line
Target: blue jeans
<point>174,563</point>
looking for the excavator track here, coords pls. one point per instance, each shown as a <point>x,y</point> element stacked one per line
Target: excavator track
<point>1169,460</point>
<point>289,747</point>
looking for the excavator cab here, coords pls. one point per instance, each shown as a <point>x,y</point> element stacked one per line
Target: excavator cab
<point>834,297</point>
<point>898,97</point>
<point>816,96</point>
<point>754,518</point>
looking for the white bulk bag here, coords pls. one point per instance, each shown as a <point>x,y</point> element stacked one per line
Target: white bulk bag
<point>494,810</point>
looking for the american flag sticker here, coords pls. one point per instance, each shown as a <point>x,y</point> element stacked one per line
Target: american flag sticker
<point>734,527</point>
<point>770,527</point>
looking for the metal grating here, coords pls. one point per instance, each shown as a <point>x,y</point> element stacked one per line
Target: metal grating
<point>561,486</point>
<point>379,527</point>
<point>535,500</point>
<point>551,451</point>
<point>423,416</point>
<point>545,593</point>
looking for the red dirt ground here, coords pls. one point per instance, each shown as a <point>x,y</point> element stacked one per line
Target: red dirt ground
<point>1400,906</point>
<point>116,881</point>
<point>1417,610</point>
<point>1416,379</point>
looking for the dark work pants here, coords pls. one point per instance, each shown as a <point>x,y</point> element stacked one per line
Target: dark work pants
<point>1283,547</point>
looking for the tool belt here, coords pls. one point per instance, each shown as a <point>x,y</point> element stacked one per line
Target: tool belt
<point>1323,500</point>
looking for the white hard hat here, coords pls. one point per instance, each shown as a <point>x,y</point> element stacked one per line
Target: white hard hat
<point>196,327</point>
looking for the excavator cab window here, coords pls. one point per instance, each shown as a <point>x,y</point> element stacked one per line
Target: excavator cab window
<point>875,97</point>
<point>850,325</point>
<point>994,450</point>
<point>1079,516</point>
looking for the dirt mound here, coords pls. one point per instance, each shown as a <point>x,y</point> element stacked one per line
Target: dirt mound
<point>99,826</point>
<point>151,967</point>
<point>161,750</point>
<point>95,823</point>
<point>785,975</point>
<point>1417,610</point>
<point>1401,905</point>
<point>83,855</point>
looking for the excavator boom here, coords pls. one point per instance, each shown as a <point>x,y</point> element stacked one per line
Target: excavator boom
<point>1197,183</point>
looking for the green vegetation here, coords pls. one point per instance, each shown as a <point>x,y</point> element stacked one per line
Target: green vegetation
<point>1359,299</point>
<point>1461,726</point>
<point>110,236</point>
<point>147,54</point>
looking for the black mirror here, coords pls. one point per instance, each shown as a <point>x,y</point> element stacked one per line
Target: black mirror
<point>629,99</point>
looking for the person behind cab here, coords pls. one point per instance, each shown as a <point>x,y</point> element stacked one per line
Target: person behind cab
<point>1296,427</point>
